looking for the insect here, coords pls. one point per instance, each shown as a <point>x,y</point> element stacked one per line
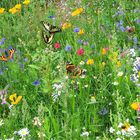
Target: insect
<point>8,55</point>
<point>73,70</point>
<point>51,31</point>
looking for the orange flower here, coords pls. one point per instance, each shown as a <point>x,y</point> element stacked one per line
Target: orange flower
<point>14,99</point>
<point>2,10</point>
<point>104,51</point>
<point>77,11</point>
<point>135,105</point>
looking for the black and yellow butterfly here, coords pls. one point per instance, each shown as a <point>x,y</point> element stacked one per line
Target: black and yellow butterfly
<point>51,30</point>
<point>73,70</point>
<point>8,55</point>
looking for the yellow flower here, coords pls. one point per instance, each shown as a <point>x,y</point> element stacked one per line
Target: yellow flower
<point>2,10</point>
<point>125,126</point>
<point>18,7</point>
<point>14,99</point>
<point>26,2</point>
<point>13,10</point>
<point>103,64</point>
<point>81,32</point>
<point>77,11</point>
<point>135,105</point>
<point>90,62</point>
<point>139,73</point>
<point>93,99</point>
<point>104,51</point>
<point>118,64</point>
<point>66,25</point>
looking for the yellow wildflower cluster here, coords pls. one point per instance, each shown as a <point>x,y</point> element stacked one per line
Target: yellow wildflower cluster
<point>16,8</point>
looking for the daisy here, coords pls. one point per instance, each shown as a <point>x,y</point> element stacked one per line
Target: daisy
<point>23,132</point>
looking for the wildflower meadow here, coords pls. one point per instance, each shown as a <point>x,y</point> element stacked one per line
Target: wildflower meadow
<point>69,70</point>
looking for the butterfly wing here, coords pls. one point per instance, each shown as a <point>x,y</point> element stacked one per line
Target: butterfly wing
<point>3,58</point>
<point>11,53</point>
<point>74,71</point>
<point>50,28</point>
<point>47,39</point>
<point>46,25</point>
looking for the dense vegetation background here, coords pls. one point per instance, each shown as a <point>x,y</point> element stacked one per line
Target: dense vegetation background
<point>40,100</point>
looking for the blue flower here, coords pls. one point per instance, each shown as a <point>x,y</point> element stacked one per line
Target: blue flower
<point>2,41</point>
<point>122,28</point>
<point>36,83</point>
<point>137,21</point>
<point>103,111</point>
<point>135,39</point>
<point>68,48</point>
<point>76,30</point>
<point>51,17</point>
<point>80,41</point>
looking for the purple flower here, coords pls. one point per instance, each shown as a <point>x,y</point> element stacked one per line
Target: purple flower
<point>85,43</point>
<point>122,28</point>
<point>137,21</point>
<point>36,83</point>
<point>76,30</point>
<point>68,48</point>
<point>2,41</point>
<point>80,41</point>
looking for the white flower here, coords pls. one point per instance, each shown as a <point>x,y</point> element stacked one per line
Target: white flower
<point>82,63</point>
<point>111,130</point>
<point>115,83</point>
<point>120,125</point>
<point>118,139</point>
<point>23,132</point>
<point>36,121</point>
<point>120,74</point>
<point>118,132</point>
<point>85,133</point>
<point>1,122</point>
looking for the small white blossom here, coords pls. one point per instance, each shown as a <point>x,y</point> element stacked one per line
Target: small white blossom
<point>85,133</point>
<point>115,83</point>
<point>120,74</point>
<point>111,130</point>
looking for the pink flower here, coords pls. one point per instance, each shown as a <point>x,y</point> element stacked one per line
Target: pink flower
<point>57,45</point>
<point>80,51</point>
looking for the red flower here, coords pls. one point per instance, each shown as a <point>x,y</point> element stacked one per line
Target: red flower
<point>80,51</point>
<point>57,45</point>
